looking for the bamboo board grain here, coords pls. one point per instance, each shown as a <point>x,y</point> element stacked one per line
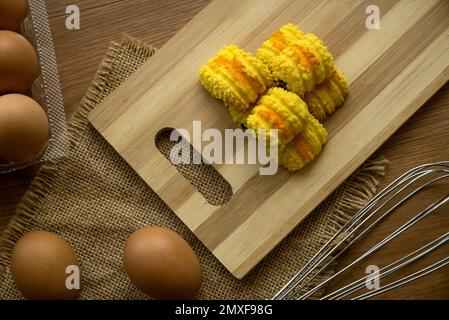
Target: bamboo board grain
<point>392,72</point>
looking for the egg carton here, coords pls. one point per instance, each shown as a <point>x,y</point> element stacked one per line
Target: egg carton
<point>46,89</point>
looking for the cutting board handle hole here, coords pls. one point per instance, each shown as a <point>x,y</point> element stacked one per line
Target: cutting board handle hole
<point>207,181</point>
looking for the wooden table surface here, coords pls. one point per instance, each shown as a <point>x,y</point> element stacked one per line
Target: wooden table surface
<point>424,138</point>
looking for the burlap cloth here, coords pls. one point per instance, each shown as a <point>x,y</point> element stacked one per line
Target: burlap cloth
<point>94,200</point>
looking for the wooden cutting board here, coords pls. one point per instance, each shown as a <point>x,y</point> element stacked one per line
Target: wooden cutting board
<point>391,71</point>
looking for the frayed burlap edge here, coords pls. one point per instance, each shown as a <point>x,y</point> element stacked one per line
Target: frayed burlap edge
<point>352,195</point>
<point>42,183</point>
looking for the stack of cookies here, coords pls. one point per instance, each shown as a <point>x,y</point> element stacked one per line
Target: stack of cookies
<point>289,86</point>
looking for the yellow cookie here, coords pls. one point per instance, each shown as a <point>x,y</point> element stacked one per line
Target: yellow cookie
<point>235,77</point>
<point>281,110</point>
<point>327,96</point>
<point>302,65</point>
<point>278,41</point>
<point>325,57</point>
<point>304,147</point>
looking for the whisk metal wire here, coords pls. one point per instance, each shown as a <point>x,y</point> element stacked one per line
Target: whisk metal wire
<point>348,235</point>
<point>386,271</point>
<point>412,277</point>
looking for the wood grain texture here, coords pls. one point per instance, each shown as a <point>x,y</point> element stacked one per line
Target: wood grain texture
<point>152,21</point>
<point>423,138</point>
<point>391,71</point>
<point>57,8</point>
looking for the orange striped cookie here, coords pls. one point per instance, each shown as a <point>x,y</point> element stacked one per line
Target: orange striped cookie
<point>327,96</point>
<point>278,41</point>
<point>235,77</point>
<point>304,147</point>
<point>303,65</point>
<point>281,110</point>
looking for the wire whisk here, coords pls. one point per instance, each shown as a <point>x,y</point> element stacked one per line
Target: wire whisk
<point>383,204</point>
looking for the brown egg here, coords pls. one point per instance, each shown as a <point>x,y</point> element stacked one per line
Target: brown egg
<point>12,13</point>
<point>162,264</point>
<point>18,63</point>
<point>39,263</point>
<point>24,128</point>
